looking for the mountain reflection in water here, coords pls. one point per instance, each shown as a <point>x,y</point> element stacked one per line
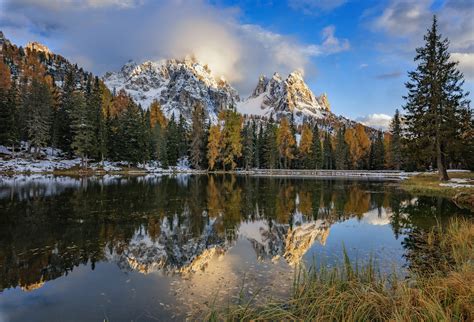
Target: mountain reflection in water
<point>183,225</point>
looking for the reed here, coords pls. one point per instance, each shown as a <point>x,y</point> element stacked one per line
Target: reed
<point>362,293</point>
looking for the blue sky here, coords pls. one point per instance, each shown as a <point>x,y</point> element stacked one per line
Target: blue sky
<point>358,52</point>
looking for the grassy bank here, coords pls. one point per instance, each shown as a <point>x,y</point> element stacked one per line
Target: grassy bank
<point>441,289</point>
<point>428,184</point>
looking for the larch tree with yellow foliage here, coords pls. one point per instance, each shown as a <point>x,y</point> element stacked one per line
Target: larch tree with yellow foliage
<point>286,142</point>
<point>213,146</point>
<point>305,147</point>
<point>158,124</point>
<point>359,145</point>
<point>231,140</point>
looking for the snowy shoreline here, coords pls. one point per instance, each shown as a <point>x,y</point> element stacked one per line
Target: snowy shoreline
<point>66,167</point>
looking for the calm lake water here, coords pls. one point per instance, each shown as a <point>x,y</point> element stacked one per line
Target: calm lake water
<point>158,247</point>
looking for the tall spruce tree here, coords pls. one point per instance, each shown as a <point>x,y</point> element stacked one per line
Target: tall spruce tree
<point>132,135</point>
<point>62,121</point>
<point>82,128</point>
<point>269,145</point>
<point>379,152</point>
<point>7,107</point>
<point>198,134</point>
<point>38,105</point>
<point>328,153</point>
<point>341,153</point>
<point>182,134</point>
<point>395,145</point>
<point>98,121</point>
<point>256,145</point>
<point>260,154</point>
<point>316,149</point>
<point>436,103</point>
<point>248,140</point>
<point>172,142</point>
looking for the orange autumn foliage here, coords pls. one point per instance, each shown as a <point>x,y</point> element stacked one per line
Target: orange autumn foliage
<point>359,144</point>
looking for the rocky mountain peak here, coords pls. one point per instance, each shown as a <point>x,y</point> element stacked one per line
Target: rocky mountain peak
<point>177,84</point>
<point>280,97</point>
<point>36,46</point>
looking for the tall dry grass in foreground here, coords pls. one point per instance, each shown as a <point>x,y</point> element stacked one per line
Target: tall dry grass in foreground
<point>435,290</point>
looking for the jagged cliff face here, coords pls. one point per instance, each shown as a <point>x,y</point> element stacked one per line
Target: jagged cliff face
<point>56,66</point>
<point>279,96</point>
<point>282,240</point>
<point>180,84</point>
<point>35,46</point>
<point>177,84</point>
<point>172,251</point>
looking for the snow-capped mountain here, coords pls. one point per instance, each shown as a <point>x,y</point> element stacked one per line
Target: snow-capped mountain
<point>177,84</point>
<point>284,96</point>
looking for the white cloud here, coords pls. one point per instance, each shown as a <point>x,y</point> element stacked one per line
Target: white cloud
<point>404,18</point>
<point>77,4</point>
<point>377,121</point>
<point>145,29</point>
<point>330,45</point>
<point>466,64</point>
<point>409,20</point>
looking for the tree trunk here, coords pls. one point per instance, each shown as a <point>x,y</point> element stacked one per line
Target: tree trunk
<point>440,163</point>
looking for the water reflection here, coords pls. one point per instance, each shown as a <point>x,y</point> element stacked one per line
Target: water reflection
<point>181,225</point>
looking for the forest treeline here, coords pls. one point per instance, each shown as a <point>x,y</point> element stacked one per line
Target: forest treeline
<point>81,117</point>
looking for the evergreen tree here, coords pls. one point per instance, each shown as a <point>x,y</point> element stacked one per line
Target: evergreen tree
<point>248,145</point>
<point>197,150</point>
<point>158,133</point>
<point>436,104</point>
<point>182,134</point>
<point>98,121</point>
<point>132,135</point>
<point>256,145</point>
<point>378,152</point>
<point>172,142</point>
<point>270,145</point>
<point>38,104</point>
<point>260,147</point>
<point>341,154</point>
<point>8,131</point>
<point>62,121</point>
<point>328,153</point>
<point>82,128</point>
<point>395,144</point>
<point>316,150</point>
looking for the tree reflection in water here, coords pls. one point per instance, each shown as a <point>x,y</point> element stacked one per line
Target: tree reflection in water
<point>49,225</point>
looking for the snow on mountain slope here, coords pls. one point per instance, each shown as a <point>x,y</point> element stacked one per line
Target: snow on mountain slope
<point>181,84</point>
<point>177,84</point>
<point>282,97</point>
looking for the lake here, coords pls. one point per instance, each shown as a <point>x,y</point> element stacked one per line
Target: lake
<point>160,247</point>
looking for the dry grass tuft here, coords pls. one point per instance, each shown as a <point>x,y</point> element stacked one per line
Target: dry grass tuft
<point>348,293</point>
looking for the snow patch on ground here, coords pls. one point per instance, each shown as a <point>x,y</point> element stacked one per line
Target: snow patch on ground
<point>36,166</point>
<point>458,183</point>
